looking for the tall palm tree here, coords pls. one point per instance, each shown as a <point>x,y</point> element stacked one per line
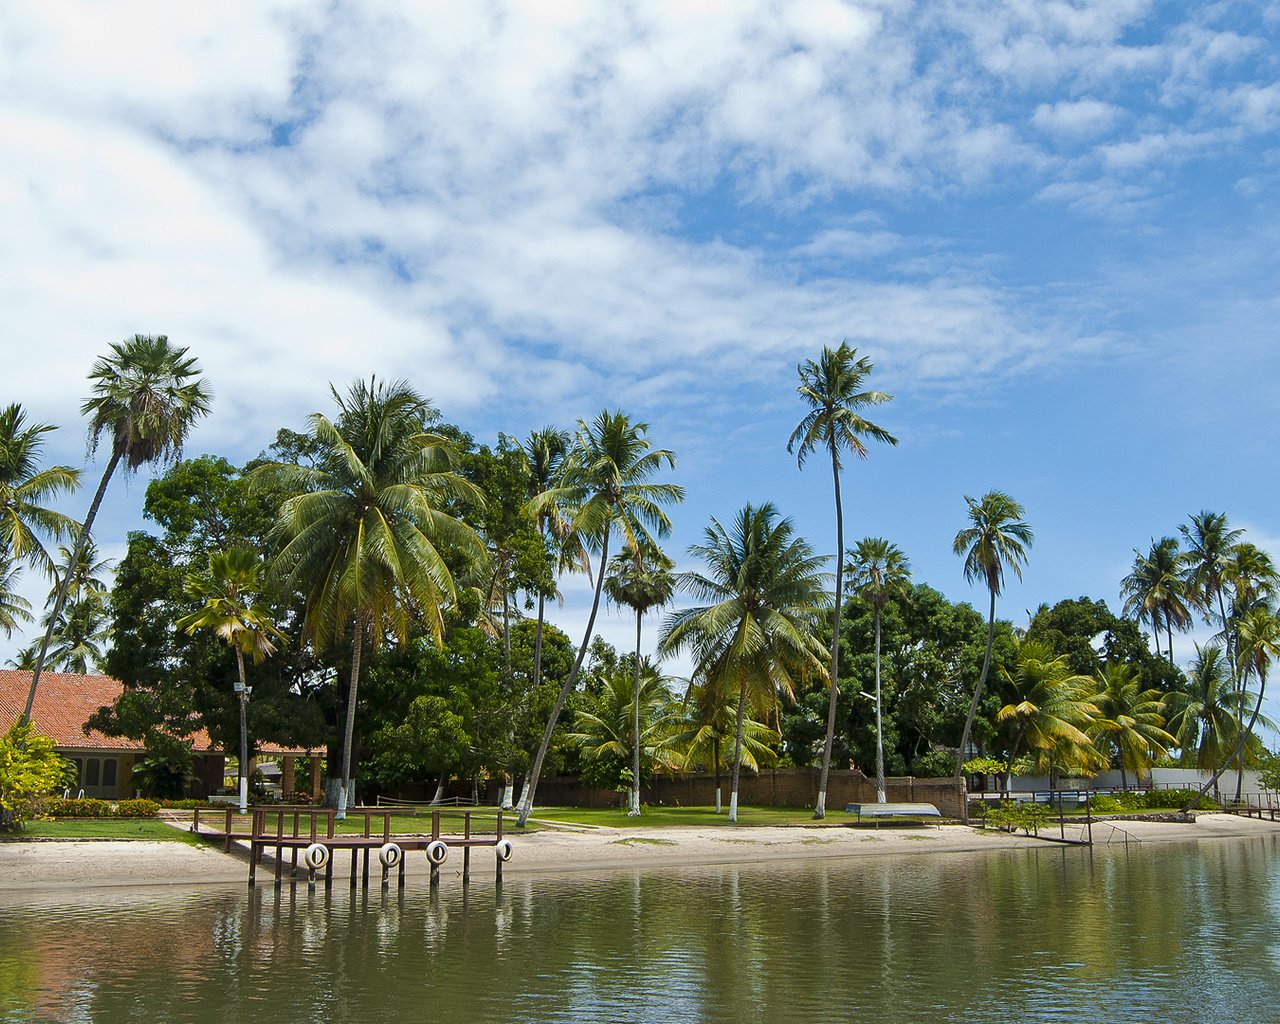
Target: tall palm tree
<point>365,531</point>
<point>833,387</point>
<point>758,635</point>
<point>25,488</point>
<point>710,720</point>
<point>607,481</point>
<point>1155,588</point>
<point>1131,720</point>
<point>146,395</point>
<point>878,571</point>
<point>1206,561</point>
<point>996,539</point>
<point>229,590</point>
<point>640,579</point>
<point>1053,711</point>
<point>80,629</point>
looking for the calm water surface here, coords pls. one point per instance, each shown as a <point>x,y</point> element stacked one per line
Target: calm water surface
<point>1172,933</point>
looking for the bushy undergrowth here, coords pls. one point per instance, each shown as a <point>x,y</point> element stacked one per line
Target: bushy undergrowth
<point>1011,815</point>
<point>1122,803</point>
<point>87,807</point>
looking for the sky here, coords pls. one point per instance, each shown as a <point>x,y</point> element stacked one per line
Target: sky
<point>1051,225</point>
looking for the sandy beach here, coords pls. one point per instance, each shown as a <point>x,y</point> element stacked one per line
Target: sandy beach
<point>38,866</point>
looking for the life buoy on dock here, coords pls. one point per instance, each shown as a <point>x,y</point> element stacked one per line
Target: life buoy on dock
<point>504,849</point>
<point>316,856</point>
<point>389,854</point>
<point>438,852</point>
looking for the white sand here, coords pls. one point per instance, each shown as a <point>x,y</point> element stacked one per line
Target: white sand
<point>37,866</point>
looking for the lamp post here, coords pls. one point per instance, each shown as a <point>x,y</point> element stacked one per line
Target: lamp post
<point>243,691</point>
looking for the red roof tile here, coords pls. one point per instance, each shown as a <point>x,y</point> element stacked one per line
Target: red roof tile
<point>65,701</point>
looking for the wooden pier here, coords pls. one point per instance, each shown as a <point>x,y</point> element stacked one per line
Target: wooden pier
<point>310,833</point>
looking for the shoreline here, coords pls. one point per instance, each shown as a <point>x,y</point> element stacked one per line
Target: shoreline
<point>44,866</point>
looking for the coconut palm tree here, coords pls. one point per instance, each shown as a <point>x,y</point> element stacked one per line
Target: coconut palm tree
<point>25,489</point>
<point>146,395</point>
<point>607,481</point>
<point>80,629</point>
<point>229,590</point>
<point>1155,588</point>
<point>758,634</point>
<point>1206,718</point>
<point>878,571</point>
<point>833,387</point>
<point>996,539</point>
<point>1131,721</point>
<point>640,579</point>
<point>610,728</point>
<point>709,726</point>
<point>1207,561</point>
<point>365,531</point>
<point>1054,709</point>
<point>14,608</point>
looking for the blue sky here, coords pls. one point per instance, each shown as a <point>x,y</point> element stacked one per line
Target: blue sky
<point>1051,225</point>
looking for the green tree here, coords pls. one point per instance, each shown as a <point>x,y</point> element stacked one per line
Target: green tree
<point>365,536</point>
<point>709,716</point>
<point>25,490</point>
<point>607,481</point>
<point>29,769</point>
<point>1131,720</point>
<point>1155,588</point>
<point>14,608</point>
<point>996,539</point>
<point>1206,718</point>
<point>609,730</point>
<point>833,387</point>
<point>639,579</point>
<point>879,570</point>
<point>232,611</point>
<point>1052,712</point>
<point>145,398</point>
<point>759,633</point>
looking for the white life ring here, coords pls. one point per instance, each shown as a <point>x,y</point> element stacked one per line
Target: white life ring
<point>438,852</point>
<point>504,849</point>
<point>389,854</point>
<point>316,856</point>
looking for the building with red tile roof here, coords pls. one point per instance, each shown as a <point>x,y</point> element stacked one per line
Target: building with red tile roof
<point>64,703</point>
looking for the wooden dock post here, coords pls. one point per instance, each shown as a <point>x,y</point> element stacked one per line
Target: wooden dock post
<point>466,850</point>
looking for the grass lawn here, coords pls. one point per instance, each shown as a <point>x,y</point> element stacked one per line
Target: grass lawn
<point>108,828</point>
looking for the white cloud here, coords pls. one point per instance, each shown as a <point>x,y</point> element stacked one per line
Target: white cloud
<point>1076,118</point>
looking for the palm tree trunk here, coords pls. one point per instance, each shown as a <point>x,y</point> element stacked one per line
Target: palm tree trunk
<point>820,807</point>
<point>880,787</point>
<point>65,584</point>
<point>737,751</point>
<point>634,810</point>
<point>435,800</point>
<point>1155,629</point>
<point>537,674</point>
<point>531,786</point>
<point>973,706</point>
<point>715,750</point>
<point>1168,625</point>
<point>244,734</point>
<point>357,647</point>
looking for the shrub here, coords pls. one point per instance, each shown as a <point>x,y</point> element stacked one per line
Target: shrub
<point>934,764</point>
<point>137,809</point>
<point>29,768</point>
<point>88,807</point>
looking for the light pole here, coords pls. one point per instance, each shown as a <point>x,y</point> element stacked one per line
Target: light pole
<point>244,691</point>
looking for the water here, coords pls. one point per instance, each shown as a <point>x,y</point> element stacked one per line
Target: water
<point>1172,933</point>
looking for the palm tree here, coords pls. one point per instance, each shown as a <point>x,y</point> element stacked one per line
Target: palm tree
<point>229,591</point>
<point>710,719</point>
<point>25,488</point>
<point>1206,561</point>
<point>833,389</point>
<point>758,635</point>
<point>1053,711</point>
<point>80,629</point>
<point>640,579</point>
<point>1205,718</point>
<point>1131,720</point>
<point>997,538</point>
<point>610,726</point>
<point>1154,588</point>
<point>14,608</point>
<point>607,481</point>
<point>146,395</point>
<point>878,571</point>
<point>365,531</point>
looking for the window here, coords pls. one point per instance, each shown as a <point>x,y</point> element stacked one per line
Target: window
<point>92,768</point>
<point>109,773</point>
